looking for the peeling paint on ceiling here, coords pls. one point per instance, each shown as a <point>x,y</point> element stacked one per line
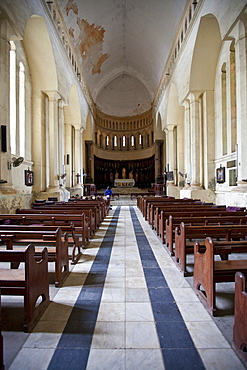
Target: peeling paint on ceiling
<point>115,38</point>
<point>91,44</point>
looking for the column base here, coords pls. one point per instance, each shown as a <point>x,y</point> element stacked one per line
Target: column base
<point>7,188</point>
<point>60,193</point>
<point>172,190</point>
<point>207,196</point>
<point>76,191</point>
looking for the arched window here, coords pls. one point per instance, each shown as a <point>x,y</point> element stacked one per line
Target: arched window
<point>107,140</point>
<point>124,141</point>
<point>224,109</point>
<point>22,110</point>
<point>115,140</point>
<point>140,139</point>
<point>17,128</point>
<point>12,97</point>
<point>132,140</point>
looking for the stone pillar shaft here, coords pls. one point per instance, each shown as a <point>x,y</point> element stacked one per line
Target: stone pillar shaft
<point>195,141</point>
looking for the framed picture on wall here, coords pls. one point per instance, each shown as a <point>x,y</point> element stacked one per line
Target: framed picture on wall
<point>169,176</point>
<point>220,175</point>
<point>28,178</point>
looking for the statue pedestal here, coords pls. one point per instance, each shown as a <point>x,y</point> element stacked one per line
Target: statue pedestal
<point>207,196</point>
<point>60,193</point>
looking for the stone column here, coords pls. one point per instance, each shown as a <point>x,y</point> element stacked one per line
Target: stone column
<point>195,141</point>
<point>158,164</point>
<point>62,174</point>
<point>68,154</point>
<point>187,143</point>
<point>170,147</point>
<point>53,141</point>
<point>78,160</point>
<point>88,154</point>
<point>209,140</point>
<point>241,97</point>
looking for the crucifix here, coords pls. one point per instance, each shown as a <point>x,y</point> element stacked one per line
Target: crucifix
<point>77,177</point>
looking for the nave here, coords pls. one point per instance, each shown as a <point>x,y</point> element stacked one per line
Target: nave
<point>125,305</point>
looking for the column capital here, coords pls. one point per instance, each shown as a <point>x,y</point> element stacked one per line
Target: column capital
<point>52,95</point>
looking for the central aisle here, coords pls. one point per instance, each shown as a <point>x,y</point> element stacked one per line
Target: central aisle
<point>126,306</point>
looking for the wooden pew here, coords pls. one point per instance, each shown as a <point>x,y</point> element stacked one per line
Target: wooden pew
<point>50,219</point>
<point>159,222</point>
<point>91,220</point>
<point>30,282</point>
<point>143,201</point>
<point>208,272</point>
<point>181,213</point>
<point>153,209</point>
<point>54,241</point>
<point>102,206</point>
<point>168,236</point>
<point>99,208</point>
<point>240,316</point>
<point>164,200</point>
<point>186,235</point>
<point>73,235</point>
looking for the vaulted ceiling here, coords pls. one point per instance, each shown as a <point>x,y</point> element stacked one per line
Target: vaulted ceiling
<point>123,46</point>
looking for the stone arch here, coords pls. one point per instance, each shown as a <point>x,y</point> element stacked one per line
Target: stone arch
<point>39,53</point>
<point>205,54</point>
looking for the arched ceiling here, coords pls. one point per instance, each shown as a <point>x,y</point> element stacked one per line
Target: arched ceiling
<point>123,46</point>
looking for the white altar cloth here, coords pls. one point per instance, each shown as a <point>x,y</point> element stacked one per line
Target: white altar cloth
<point>124,182</point>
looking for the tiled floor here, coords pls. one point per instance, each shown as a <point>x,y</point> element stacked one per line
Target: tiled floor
<point>125,305</point>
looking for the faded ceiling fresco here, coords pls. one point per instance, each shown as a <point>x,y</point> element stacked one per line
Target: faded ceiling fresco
<point>122,46</point>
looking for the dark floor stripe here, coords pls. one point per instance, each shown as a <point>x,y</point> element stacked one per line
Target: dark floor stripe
<point>178,349</point>
<point>74,345</point>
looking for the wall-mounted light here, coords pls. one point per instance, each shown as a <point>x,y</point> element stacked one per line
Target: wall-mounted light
<point>15,162</point>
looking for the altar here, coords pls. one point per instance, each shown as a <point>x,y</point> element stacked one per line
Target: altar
<point>124,183</point>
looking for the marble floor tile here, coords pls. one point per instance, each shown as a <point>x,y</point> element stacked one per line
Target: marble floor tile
<point>42,340</point>
<point>106,359</point>
<point>35,358</point>
<point>206,335</point>
<point>137,295</point>
<point>111,311</point>
<point>113,295</point>
<point>144,359</point>
<point>115,282</point>
<point>139,311</point>
<point>109,335</point>
<point>193,311</point>
<point>141,335</point>
<point>184,295</point>
<point>221,359</point>
<point>135,282</point>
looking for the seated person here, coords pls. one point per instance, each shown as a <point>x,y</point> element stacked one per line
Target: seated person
<point>108,192</point>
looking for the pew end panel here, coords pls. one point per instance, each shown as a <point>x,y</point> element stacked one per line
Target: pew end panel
<point>31,282</point>
<point>56,243</point>
<point>203,274</point>
<point>208,272</point>
<point>240,316</point>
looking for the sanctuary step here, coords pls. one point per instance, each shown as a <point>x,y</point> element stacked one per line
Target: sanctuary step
<point>128,190</point>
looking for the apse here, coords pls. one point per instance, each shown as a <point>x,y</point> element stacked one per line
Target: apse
<point>123,96</point>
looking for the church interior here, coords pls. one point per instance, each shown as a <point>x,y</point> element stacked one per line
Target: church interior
<point>148,98</point>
